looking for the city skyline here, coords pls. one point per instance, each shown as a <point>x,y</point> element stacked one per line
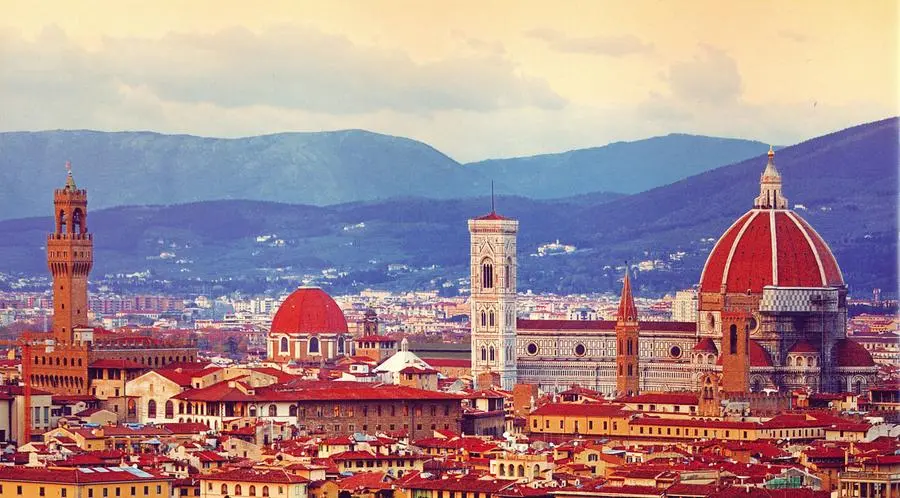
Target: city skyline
<point>474,81</point>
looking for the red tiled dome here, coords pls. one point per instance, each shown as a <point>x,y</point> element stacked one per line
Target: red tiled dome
<point>847,353</point>
<point>309,310</point>
<point>803,347</point>
<point>769,247</point>
<point>759,357</point>
<point>706,345</point>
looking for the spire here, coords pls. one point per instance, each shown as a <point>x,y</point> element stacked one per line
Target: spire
<point>627,310</point>
<point>492,198</point>
<point>70,181</point>
<point>770,196</point>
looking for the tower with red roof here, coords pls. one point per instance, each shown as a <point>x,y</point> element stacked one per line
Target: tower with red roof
<point>627,350</point>
<point>493,298</point>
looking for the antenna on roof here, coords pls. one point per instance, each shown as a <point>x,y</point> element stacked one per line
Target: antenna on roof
<point>492,196</point>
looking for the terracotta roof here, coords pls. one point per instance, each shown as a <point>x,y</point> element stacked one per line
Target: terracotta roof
<point>743,258</point>
<point>492,216</point>
<point>448,362</point>
<point>706,345</point>
<point>803,347</point>
<point>75,476</point>
<point>267,476</point>
<point>606,325</point>
<point>627,310</point>
<point>302,390</point>
<point>309,310</point>
<point>759,357</point>
<point>663,398</point>
<point>847,353</point>
<point>580,409</point>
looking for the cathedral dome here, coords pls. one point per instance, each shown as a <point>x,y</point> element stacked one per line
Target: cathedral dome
<point>847,353</point>
<point>769,245</point>
<point>309,310</point>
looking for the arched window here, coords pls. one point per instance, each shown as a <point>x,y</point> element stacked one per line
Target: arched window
<point>630,370</point>
<point>151,408</point>
<point>508,273</point>
<point>521,470</point>
<point>801,362</point>
<point>629,347</point>
<point>237,490</point>
<point>858,386</point>
<point>732,336</point>
<point>313,344</point>
<point>63,222</point>
<point>492,353</point>
<point>252,411</point>
<point>487,274</point>
<point>483,319</point>
<point>502,470</point>
<point>78,221</point>
<point>252,490</point>
<point>491,318</point>
<point>292,412</point>
<point>224,489</point>
<point>265,491</point>
<point>340,345</point>
<point>621,349</point>
<point>284,344</point>
<point>170,409</point>
<point>483,353</point>
<point>273,410</point>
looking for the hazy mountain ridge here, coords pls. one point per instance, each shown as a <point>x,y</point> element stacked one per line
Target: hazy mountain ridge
<point>845,184</point>
<point>628,167</point>
<point>317,168</point>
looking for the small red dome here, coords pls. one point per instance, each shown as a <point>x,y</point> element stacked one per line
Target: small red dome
<point>706,345</point>
<point>759,357</point>
<point>803,347</point>
<point>847,353</point>
<point>769,247</point>
<point>309,310</point>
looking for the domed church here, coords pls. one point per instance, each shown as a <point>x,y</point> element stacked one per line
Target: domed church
<point>772,315</point>
<point>772,282</point>
<point>308,328</point>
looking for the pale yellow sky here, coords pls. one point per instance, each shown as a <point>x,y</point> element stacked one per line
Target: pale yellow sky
<point>475,79</point>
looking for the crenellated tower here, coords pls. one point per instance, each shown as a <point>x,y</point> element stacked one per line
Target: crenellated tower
<point>627,350</point>
<point>493,297</point>
<point>70,256</point>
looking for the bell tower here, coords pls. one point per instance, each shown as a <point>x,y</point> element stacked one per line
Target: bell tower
<point>627,350</point>
<point>493,297</point>
<point>735,352</point>
<point>70,256</point>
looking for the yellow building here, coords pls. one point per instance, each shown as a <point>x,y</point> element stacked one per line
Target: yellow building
<point>89,482</point>
<point>594,419</point>
<point>262,482</point>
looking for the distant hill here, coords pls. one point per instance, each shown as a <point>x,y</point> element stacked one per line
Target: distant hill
<point>151,168</point>
<point>141,168</point>
<point>844,184</point>
<point>628,167</point>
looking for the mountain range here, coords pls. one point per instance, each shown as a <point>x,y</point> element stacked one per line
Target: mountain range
<point>844,184</point>
<point>626,167</point>
<point>324,168</point>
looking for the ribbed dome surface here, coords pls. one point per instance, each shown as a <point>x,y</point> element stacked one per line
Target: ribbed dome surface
<point>309,310</point>
<point>769,247</point>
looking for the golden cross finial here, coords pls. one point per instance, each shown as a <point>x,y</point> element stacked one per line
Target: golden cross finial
<point>771,151</point>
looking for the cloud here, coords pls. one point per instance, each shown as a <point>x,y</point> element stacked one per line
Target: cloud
<point>288,66</point>
<point>793,35</point>
<point>614,46</point>
<point>712,77</point>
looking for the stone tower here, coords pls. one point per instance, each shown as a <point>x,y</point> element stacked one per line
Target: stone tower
<point>627,350</point>
<point>493,297</point>
<point>70,255</point>
<point>735,352</point>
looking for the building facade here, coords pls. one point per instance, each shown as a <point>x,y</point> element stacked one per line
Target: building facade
<point>73,357</point>
<point>771,314</point>
<point>493,297</point>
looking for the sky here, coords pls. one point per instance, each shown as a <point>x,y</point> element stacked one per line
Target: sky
<point>475,79</point>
